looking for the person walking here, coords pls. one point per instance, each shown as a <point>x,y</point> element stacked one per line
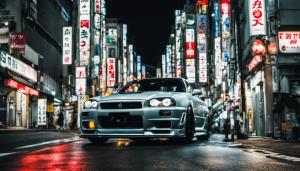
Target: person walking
<point>226,128</point>
<point>60,121</point>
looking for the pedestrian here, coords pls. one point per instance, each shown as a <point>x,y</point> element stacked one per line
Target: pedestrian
<point>60,120</point>
<point>226,128</point>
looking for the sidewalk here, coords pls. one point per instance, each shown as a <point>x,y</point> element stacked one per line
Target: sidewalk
<point>286,147</point>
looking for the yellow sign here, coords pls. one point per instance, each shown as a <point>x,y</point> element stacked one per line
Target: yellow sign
<point>50,107</point>
<point>286,126</point>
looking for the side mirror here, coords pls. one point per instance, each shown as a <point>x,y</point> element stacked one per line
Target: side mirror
<point>196,92</point>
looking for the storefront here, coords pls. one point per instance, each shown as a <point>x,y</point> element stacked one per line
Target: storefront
<point>255,89</point>
<point>18,92</point>
<point>20,102</point>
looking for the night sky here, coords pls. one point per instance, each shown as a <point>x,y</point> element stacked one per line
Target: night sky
<point>149,24</point>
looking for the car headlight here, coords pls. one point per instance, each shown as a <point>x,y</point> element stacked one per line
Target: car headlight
<point>94,104</point>
<point>164,102</point>
<point>90,104</point>
<point>87,104</point>
<point>154,102</point>
<point>167,102</point>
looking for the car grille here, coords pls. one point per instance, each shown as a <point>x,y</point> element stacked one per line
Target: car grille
<point>121,105</point>
<point>120,120</point>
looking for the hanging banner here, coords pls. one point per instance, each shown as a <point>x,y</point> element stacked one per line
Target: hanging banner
<point>84,39</point>
<point>139,67</point>
<point>111,75</point>
<point>81,86</point>
<point>163,66</point>
<point>84,6</point>
<point>257,17</point>
<point>202,68</point>
<point>80,72</point>
<point>67,45</point>
<point>97,6</point>
<point>190,70</point>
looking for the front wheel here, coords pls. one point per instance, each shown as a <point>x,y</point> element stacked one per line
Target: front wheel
<point>98,140</point>
<point>189,126</point>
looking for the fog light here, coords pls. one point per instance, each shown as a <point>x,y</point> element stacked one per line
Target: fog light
<point>91,124</point>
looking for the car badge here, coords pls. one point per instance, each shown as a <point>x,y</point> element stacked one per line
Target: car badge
<point>120,105</point>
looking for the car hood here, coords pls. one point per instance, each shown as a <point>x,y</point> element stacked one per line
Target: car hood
<point>139,96</point>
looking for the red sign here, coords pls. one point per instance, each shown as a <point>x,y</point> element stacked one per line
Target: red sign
<point>202,2</point>
<point>85,23</point>
<point>17,42</point>
<point>97,6</point>
<point>225,7</point>
<point>190,50</point>
<point>258,47</point>
<point>255,61</point>
<point>26,90</point>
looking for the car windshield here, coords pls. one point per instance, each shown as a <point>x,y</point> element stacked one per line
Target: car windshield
<point>169,85</point>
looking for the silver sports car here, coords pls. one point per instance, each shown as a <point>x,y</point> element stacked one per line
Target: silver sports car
<point>146,108</point>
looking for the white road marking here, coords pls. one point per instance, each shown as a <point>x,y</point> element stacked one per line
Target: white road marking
<point>50,142</point>
<point>6,154</point>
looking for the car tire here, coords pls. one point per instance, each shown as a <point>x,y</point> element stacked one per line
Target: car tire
<point>189,127</point>
<point>98,140</point>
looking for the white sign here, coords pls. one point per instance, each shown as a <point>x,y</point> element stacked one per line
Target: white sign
<point>130,49</point>
<point>139,67</point>
<point>111,75</point>
<point>80,72</point>
<point>190,70</point>
<point>163,66</point>
<point>84,39</point>
<point>67,45</point>
<point>84,6</point>
<point>97,21</point>
<point>112,32</point>
<point>124,35</point>
<point>42,109</point>
<point>275,79</point>
<point>289,42</point>
<point>17,66</point>
<point>202,68</point>
<point>190,35</point>
<point>257,15</point>
<point>80,86</point>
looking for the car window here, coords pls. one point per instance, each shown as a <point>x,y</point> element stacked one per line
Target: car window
<point>169,85</point>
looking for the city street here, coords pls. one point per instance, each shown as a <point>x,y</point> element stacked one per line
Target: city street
<point>123,154</point>
<point>209,84</point>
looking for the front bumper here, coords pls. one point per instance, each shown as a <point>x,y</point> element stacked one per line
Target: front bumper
<point>157,122</point>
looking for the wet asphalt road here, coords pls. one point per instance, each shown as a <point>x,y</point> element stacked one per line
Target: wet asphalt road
<point>119,154</point>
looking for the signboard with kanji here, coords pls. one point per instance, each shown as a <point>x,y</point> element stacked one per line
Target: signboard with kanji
<point>111,72</point>
<point>257,17</point>
<point>67,45</point>
<point>81,86</point>
<point>80,72</point>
